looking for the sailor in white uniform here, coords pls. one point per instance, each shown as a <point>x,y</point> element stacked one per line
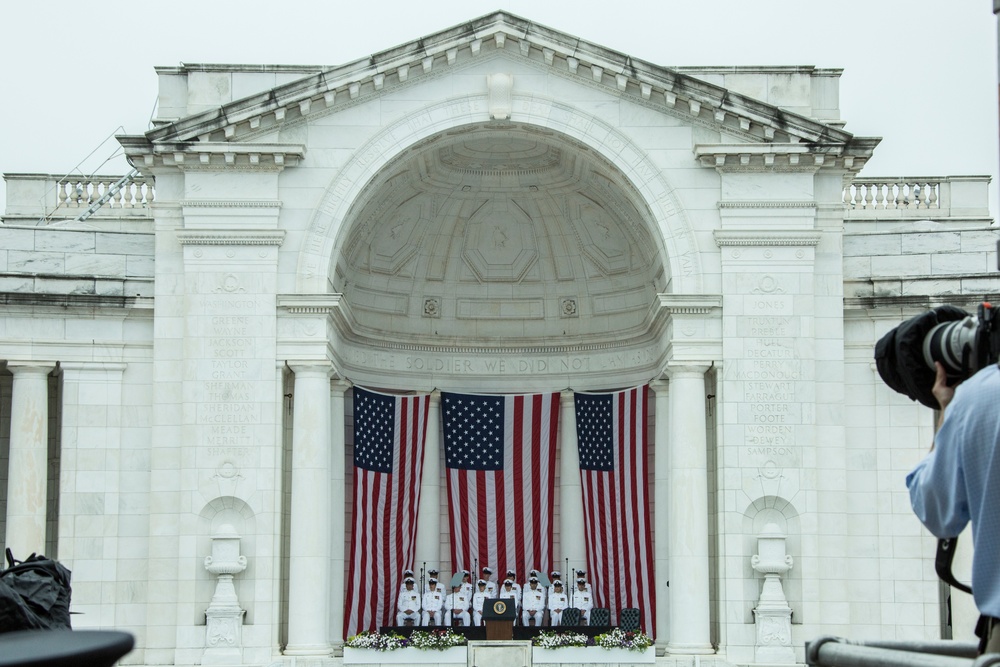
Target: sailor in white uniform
<point>512,575</point>
<point>557,603</point>
<point>583,600</point>
<point>433,604</point>
<point>491,586</point>
<point>533,603</point>
<point>456,605</point>
<point>408,604</point>
<point>478,599</point>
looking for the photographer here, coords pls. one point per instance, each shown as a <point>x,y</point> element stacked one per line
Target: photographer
<point>959,482</point>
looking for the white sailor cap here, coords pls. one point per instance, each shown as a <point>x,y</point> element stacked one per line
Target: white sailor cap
<point>557,582</point>
<point>581,580</point>
<point>432,580</point>
<point>508,582</point>
<point>408,580</point>
<point>481,582</point>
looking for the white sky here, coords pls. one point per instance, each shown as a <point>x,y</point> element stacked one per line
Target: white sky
<point>920,73</point>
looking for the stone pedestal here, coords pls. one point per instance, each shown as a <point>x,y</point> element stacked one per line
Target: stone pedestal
<point>224,617</point>
<point>773,616</point>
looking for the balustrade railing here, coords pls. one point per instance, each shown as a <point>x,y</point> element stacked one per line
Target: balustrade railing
<point>886,194</point>
<point>81,192</point>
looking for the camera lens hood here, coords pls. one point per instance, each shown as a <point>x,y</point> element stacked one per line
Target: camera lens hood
<point>899,354</point>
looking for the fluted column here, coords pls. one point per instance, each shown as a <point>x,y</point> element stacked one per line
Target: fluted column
<point>661,506</point>
<point>688,513</point>
<point>571,536</point>
<point>429,512</point>
<point>29,453</point>
<point>338,490</point>
<point>309,545</point>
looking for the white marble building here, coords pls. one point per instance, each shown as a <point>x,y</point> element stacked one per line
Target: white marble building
<point>496,207</point>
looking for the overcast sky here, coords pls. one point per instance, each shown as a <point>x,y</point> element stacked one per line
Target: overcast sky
<point>922,74</point>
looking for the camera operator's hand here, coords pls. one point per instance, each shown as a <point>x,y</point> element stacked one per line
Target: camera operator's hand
<point>942,392</point>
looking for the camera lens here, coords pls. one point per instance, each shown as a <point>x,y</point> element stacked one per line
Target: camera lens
<point>954,345</point>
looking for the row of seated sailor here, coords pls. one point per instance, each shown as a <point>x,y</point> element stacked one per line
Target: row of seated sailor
<point>532,602</point>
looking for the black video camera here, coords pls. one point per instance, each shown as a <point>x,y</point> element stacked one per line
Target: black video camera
<point>963,344</point>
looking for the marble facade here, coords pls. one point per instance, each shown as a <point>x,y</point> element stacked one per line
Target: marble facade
<point>497,207</point>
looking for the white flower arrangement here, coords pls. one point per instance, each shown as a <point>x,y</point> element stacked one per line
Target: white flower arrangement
<point>553,639</point>
<point>436,640</point>
<point>376,641</point>
<point>618,638</point>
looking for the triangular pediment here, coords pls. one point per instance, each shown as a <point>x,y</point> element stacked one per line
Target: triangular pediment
<point>739,118</point>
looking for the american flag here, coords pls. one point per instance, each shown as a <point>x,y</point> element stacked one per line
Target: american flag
<point>611,430</point>
<point>389,434</point>
<point>500,452</point>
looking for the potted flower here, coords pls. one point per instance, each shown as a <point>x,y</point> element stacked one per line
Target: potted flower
<point>616,646</point>
<point>553,639</point>
<point>376,641</point>
<point>440,646</point>
<point>436,640</point>
<point>630,641</point>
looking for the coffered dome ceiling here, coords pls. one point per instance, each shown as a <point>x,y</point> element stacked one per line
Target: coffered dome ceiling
<point>499,234</point>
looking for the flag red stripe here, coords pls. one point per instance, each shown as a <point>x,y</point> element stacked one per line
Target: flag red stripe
<point>616,521</point>
<point>520,451</point>
<point>383,535</point>
<point>514,505</point>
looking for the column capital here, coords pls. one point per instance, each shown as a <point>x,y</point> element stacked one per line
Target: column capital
<point>686,369</point>
<point>312,367</point>
<point>659,385</point>
<point>340,385</point>
<point>31,367</point>
<point>566,396</point>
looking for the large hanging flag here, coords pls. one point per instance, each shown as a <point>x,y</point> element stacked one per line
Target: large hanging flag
<point>389,435</point>
<point>611,431</point>
<point>500,452</point>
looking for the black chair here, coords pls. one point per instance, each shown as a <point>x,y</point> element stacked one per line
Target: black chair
<point>600,616</point>
<point>628,619</point>
<point>571,616</point>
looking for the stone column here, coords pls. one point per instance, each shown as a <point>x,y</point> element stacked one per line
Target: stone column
<point>309,545</point>
<point>661,507</point>
<point>571,535</point>
<point>688,513</point>
<point>338,490</point>
<point>429,512</point>
<point>29,453</point>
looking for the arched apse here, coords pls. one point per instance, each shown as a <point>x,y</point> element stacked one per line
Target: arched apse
<point>670,230</point>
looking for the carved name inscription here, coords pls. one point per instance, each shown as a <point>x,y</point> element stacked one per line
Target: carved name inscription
<point>768,378</point>
<point>228,410</point>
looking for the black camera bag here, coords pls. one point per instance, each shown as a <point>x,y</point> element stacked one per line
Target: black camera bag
<point>34,594</point>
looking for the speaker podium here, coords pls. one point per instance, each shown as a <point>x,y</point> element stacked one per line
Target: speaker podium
<point>499,615</point>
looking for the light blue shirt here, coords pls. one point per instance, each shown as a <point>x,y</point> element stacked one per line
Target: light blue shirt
<point>959,481</point>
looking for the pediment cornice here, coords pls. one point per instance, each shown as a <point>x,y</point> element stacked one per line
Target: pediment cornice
<point>790,157</point>
<point>674,92</point>
<point>209,155</point>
